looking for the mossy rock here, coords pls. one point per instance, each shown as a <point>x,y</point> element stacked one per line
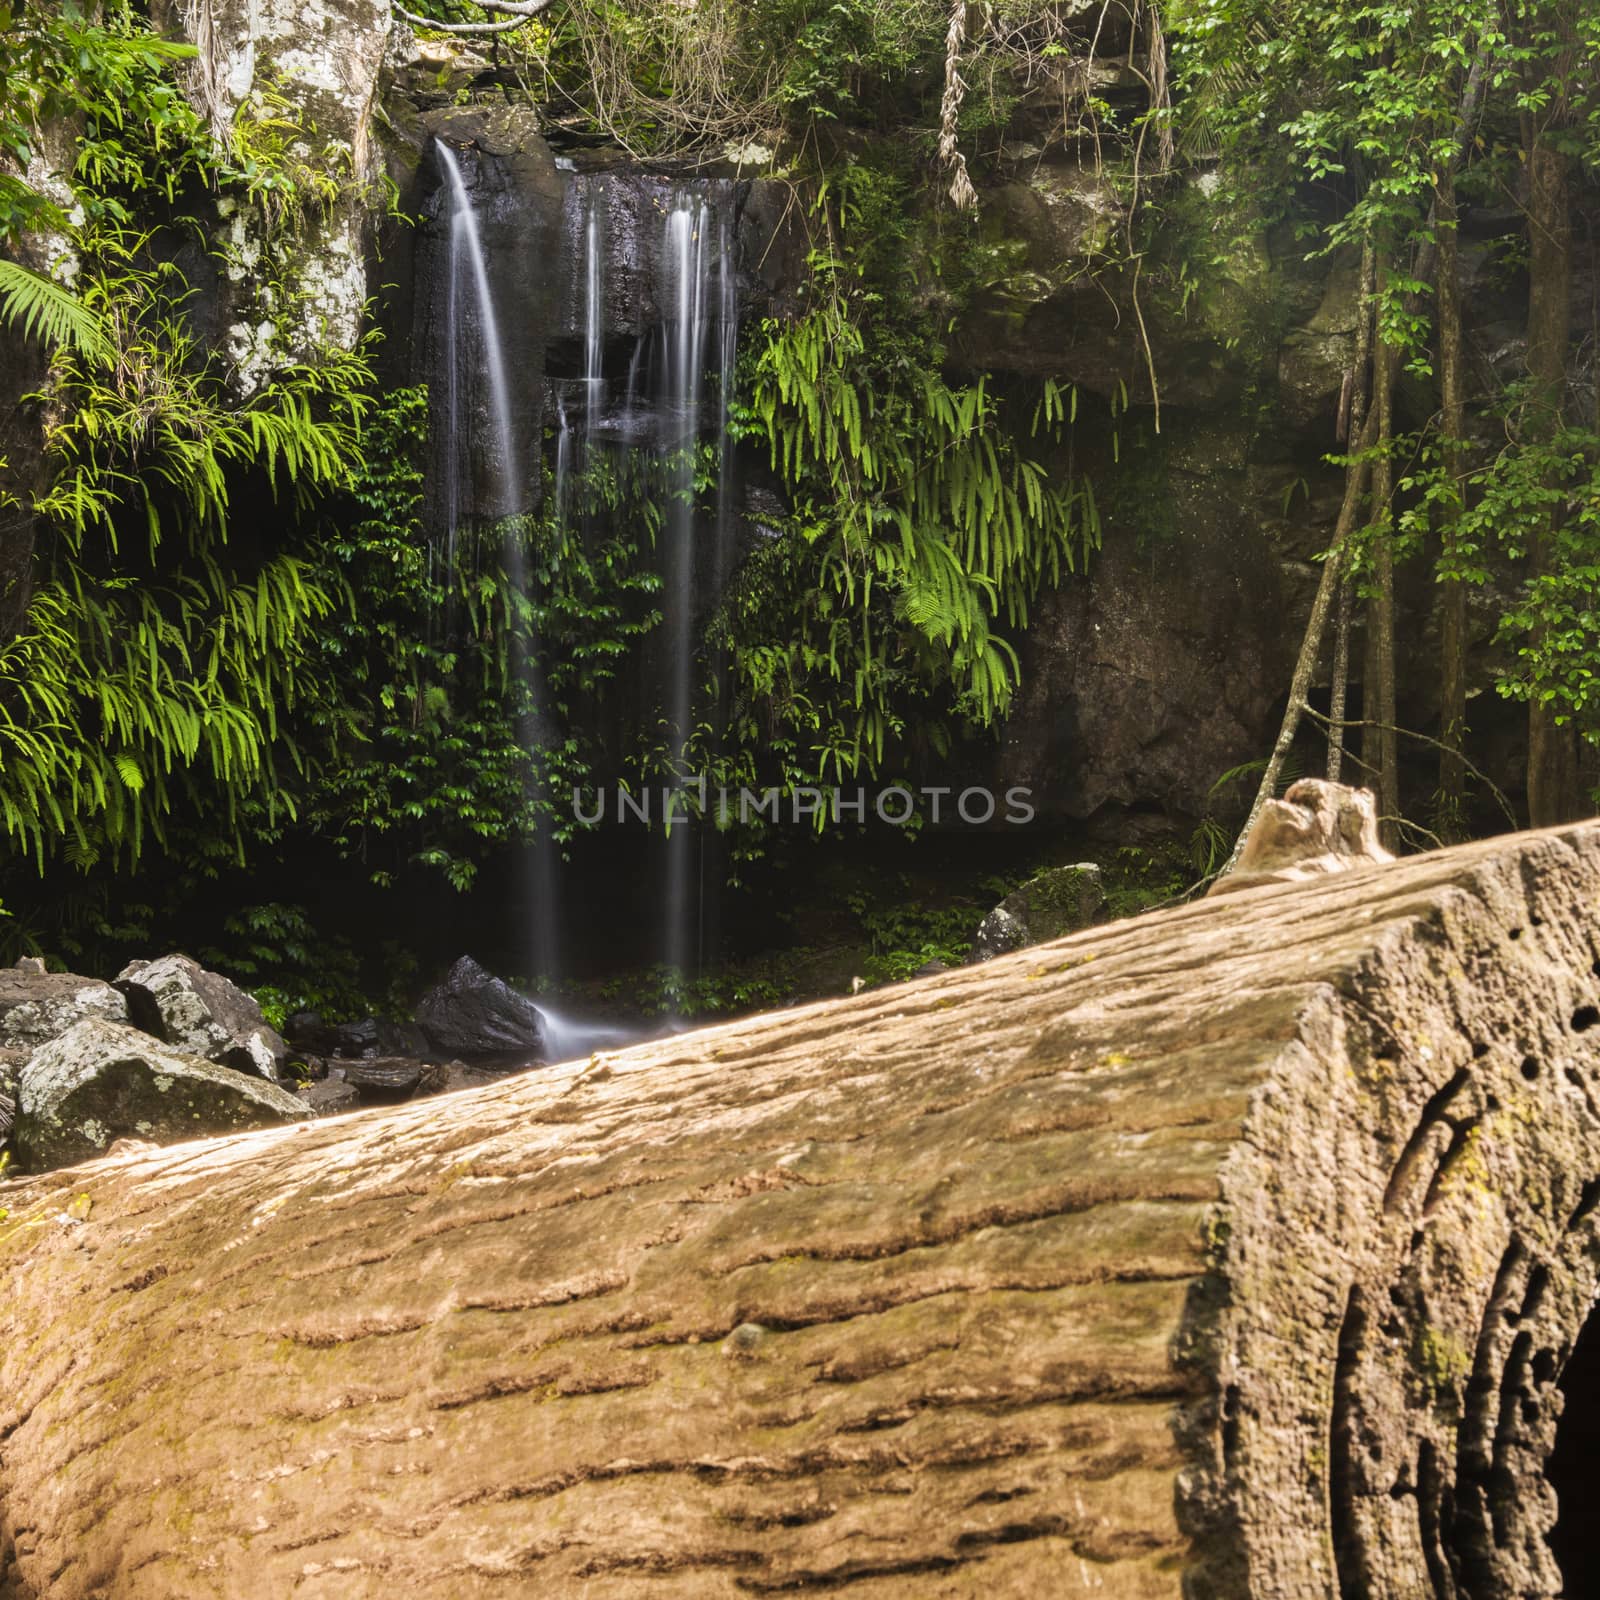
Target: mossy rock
<point>1056,902</point>
<point>102,1081</point>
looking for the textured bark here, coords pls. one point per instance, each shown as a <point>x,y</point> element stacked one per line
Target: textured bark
<point>1231,1251</point>
<point>1451,809</point>
<point>1380,757</point>
<point>1553,794</point>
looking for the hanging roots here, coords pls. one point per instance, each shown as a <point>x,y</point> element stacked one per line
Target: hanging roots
<point>961,190</point>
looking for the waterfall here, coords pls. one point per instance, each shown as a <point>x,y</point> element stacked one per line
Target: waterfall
<point>562,490</point>
<point>467,262</point>
<point>727,364</point>
<point>593,317</point>
<point>684,375</point>
<point>645,247</point>
<point>468,268</point>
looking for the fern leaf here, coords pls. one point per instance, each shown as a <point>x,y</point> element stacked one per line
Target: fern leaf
<point>46,310</point>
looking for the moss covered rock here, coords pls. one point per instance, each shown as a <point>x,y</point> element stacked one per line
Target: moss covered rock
<point>1059,901</point>
<point>102,1081</point>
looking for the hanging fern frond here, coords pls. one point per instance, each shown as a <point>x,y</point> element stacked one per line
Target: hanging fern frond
<point>44,309</point>
<point>936,529</point>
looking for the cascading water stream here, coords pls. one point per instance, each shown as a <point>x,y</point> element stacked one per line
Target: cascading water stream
<point>467,259</point>
<point>563,484</point>
<point>468,264</point>
<point>684,372</point>
<point>662,409</point>
<point>593,319</point>
<point>727,364</point>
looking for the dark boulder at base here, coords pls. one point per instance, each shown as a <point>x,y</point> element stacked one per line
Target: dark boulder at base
<point>474,1013</point>
<point>103,1081</point>
<point>1055,903</point>
<point>201,1012</point>
<point>329,1096</point>
<point>36,1006</point>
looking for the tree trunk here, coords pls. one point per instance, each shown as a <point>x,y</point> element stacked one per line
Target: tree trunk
<point>1355,483</point>
<point>1339,688</point>
<point>1450,818</point>
<point>1141,1264</point>
<point>1552,749</point>
<point>1378,741</point>
<point>1359,381</point>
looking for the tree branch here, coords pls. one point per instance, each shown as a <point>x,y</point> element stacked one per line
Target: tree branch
<point>518,12</point>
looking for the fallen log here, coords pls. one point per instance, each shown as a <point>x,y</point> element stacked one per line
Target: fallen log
<point>1231,1251</point>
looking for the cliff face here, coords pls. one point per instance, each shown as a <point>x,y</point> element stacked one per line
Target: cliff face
<point>1168,664</point>
<point>325,59</point>
<point>1143,682</point>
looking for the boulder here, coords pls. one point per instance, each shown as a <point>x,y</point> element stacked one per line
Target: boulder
<point>329,1096</point>
<point>383,1079</point>
<point>102,1081</point>
<point>36,1006</point>
<point>474,1013</point>
<point>201,1012</point>
<point>1059,901</point>
<point>366,1036</point>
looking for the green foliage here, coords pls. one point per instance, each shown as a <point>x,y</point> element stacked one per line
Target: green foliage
<point>903,934</point>
<point>446,696</point>
<point>56,64</point>
<point>662,991</point>
<point>290,963</point>
<point>117,696</point>
<point>1543,487</point>
<point>921,530</point>
<point>154,662</point>
<point>42,309</point>
<point>421,759</point>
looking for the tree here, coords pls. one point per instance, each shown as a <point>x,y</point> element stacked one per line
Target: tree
<point>1165,1297</point>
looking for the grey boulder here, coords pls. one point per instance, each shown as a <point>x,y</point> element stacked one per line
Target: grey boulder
<point>102,1081</point>
<point>192,1009</point>
<point>36,1005</point>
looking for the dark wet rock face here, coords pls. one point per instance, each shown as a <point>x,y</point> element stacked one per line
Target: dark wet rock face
<point>474,1013</point>
<point>364,1037</point>
<point>347,1085</point>
<point>384,1078</point>
<point>101,1081</point>
<point>201,1012</point>
<point>510,177</point>
<point>1144,684</point>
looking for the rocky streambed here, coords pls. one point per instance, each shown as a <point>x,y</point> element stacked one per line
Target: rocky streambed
<point>169,1050</point>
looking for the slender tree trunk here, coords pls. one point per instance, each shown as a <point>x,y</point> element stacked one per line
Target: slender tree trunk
<point>1338,696</point>
<point>1552,749</point>
<point>1451,823</point>
<point>1378,749</point>
<point>1358,379</point>
<point>1355,484</point>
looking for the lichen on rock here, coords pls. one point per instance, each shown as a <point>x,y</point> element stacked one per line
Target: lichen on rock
<point>103,1080</point>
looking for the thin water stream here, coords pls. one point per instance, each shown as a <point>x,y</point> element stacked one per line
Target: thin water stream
<point>469,270</point>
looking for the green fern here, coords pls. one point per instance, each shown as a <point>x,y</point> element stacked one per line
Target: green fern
<point>44,309</point>
<point>927,527</point>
